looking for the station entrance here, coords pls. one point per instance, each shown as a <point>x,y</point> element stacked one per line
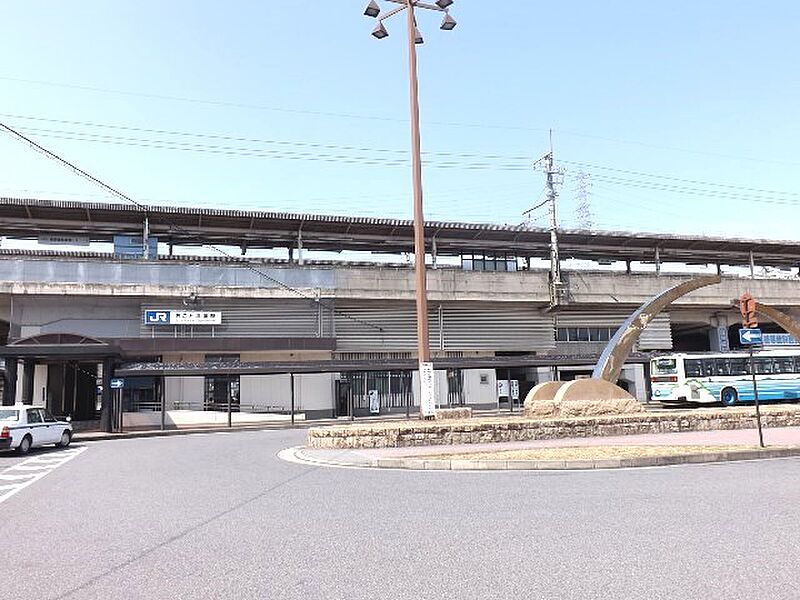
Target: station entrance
<point>69,374</point>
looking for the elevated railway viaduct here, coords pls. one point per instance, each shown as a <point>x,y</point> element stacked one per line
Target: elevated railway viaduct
<point>75,306</point>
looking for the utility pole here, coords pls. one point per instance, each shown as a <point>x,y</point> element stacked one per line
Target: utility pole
<point>554,178</point>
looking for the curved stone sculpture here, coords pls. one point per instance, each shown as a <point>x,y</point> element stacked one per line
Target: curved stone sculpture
<point>619,347</point>
<point>543,391</point>
<point>579,398</point>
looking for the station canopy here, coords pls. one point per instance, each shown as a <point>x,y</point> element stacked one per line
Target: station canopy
<point>234,367</point>
<point>24,218</point>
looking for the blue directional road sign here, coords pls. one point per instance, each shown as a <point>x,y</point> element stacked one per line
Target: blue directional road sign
<point>779,339</point>
<point>749,336</point>
<point>117,384</point>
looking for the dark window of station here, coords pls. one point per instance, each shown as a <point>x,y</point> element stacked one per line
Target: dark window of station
<point>584,334</point>
<point>223,389</point>
<point>488,262</point>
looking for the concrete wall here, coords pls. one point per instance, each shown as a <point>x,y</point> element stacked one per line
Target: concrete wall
<point>633,290</point>
<point>259,393</point>
<point>93,316</point>
<point>107,277</point>
<point>187,418</point>
<point>315,392</point>
<point>633,375</point>
<point>183,392</point>
<point>477,393</point>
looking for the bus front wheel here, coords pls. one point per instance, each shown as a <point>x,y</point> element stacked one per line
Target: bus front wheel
<point>729,396</point>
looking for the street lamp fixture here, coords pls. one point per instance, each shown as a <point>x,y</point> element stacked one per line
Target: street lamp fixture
<point>380,31</point>
<point>427,403</point>
<point>448,23</point>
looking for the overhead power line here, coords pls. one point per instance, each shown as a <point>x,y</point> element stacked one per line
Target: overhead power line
<point>678,179</point>
<point>250,106</point>
<point>367,117</point>
<point>338,153</point>
<point>316,145</point>
<point>75,169</point>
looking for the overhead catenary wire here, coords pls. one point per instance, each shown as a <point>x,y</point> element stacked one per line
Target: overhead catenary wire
<point>363,160</point>
<point>244,151</point>
<point>677,179</point>
<point>366,155</point>
<point>175,226</point>
<point>362,116</point>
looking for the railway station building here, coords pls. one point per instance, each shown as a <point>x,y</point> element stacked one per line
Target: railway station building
<point>198,310</point>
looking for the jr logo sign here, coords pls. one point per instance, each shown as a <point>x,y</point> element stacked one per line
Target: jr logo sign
<point>156,317</point>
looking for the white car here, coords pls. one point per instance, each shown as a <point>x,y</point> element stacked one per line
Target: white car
<point>23,427</point>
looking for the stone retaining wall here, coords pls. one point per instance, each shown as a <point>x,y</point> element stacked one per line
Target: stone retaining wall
<point>476,431</point>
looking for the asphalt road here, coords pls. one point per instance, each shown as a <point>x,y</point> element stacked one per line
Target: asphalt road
<point>220,516</point>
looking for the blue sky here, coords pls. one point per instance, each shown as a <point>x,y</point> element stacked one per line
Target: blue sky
<point>682,114</point>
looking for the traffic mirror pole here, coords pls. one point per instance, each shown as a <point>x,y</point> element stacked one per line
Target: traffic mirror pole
<point>755,395</point>
<point>747,306</point>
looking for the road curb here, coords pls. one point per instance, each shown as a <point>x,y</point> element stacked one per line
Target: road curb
<point>94,436</point>
<point>438,464</point>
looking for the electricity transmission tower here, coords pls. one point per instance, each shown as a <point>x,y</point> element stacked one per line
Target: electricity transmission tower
<point>583,193</point>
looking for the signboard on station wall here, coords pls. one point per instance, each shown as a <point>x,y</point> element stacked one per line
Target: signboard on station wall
<point>182,317</point>
<point>502,388</point>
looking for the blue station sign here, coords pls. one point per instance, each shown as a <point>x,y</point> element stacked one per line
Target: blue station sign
<point>182,317</point>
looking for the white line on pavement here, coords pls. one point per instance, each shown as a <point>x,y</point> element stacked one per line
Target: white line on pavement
<point>36,472</point>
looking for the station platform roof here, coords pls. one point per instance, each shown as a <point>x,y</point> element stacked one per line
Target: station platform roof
<point>25,218</point>
<point>348,366</point>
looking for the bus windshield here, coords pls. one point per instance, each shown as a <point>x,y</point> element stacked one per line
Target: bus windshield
<point>664,366</point>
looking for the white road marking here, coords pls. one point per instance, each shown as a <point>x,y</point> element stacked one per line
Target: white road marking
<point>13,481</point>
<point>10,477</point>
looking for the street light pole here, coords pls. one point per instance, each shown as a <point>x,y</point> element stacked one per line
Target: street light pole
<point>423,344</point>
<point>427,401</point>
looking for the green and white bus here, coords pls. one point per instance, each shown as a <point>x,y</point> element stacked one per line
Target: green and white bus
<point>726,377</point>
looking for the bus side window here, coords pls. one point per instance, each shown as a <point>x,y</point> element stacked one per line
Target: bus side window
<point>694,367</point>
<point>783,364</point>
<point>710,367</point>
<point>723,366</point>
<point>739,366</point>
<point>763,366</point>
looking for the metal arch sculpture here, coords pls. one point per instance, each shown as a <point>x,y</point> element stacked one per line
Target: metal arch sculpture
<point>616,352</point>
<point>788,324</point>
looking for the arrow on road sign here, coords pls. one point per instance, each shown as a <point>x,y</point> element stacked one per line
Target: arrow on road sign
<point>750,336</point>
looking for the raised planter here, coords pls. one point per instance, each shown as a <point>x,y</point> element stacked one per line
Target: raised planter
<point>510,429</point>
